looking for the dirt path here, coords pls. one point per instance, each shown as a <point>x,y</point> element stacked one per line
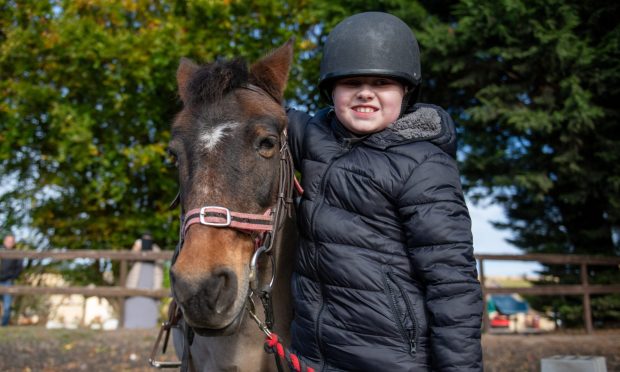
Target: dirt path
<point>37,349</point>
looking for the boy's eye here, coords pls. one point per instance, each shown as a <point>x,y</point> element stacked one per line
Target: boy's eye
<point>351,82</point>
<point>380,82</point>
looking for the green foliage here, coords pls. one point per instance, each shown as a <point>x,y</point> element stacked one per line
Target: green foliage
<point>532,83</point>
<point>535,87</point>
<point>88,93</point>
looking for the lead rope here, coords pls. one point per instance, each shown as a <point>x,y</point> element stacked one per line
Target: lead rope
<point>273,345</point>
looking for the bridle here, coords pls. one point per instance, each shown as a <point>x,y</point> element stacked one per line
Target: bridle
<point>264,228</point>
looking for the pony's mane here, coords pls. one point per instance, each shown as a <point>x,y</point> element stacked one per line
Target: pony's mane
<point>212,81</point>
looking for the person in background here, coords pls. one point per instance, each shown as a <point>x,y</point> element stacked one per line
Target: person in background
<point>385,278</point>
<point>9,271</point>
<point>143,312</point>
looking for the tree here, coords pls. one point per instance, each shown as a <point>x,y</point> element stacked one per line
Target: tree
<point>88,93</point>
<point>535,85</point>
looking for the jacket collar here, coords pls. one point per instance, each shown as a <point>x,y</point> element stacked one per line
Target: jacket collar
<point>423,122</point>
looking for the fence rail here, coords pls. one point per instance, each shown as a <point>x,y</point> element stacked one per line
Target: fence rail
<point>100,291</point>
<point>584,289</point>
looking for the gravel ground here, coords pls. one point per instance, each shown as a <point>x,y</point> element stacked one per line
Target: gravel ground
<point>523,352</point>
<point>37,349</point>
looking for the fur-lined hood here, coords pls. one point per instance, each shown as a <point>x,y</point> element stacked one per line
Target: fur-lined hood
<point>424,122</point>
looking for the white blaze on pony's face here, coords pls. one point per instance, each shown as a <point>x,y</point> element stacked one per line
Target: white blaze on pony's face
<point>213,136</point>
<point>226,141</point>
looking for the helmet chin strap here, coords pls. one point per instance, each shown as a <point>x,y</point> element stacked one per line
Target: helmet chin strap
<point>412,95</point>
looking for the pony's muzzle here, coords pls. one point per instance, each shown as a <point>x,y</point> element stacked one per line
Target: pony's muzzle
<point>214,295</point>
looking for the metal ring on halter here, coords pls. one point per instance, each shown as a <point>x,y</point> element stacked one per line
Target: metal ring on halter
<point>253,277</point>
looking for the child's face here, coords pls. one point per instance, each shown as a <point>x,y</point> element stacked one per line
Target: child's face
<point>367,104</point>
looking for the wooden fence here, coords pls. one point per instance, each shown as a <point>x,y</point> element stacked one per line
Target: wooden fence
<point>120,291</point>
<point>584,289</point>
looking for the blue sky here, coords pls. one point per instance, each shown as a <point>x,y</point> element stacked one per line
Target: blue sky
<point>488,239</point>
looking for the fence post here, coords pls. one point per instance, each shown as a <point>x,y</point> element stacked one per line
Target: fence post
<point>587,310</point>
<point>123,283</point>
<point>485,313</point>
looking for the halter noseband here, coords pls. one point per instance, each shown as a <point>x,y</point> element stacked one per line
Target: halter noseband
<point>222,217</point>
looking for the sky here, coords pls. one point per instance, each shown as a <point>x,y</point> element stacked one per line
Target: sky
<point>488,239</point>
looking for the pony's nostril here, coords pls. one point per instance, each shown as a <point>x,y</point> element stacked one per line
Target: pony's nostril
<point>220,290</point>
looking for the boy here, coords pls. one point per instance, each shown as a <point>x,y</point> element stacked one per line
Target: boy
<point>385,278</point>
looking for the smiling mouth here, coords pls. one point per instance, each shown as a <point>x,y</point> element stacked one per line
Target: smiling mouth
<point>364,109</point>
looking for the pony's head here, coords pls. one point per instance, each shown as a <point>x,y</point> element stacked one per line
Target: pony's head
<point>226,141</point>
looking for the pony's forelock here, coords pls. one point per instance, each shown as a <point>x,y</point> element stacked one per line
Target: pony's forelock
<point>212,81</point>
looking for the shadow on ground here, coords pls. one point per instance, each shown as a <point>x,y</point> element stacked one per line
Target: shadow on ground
<point>37,349</point>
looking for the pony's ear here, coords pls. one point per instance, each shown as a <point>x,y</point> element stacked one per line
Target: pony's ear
<point>184,75</point>
<point>271,71</point>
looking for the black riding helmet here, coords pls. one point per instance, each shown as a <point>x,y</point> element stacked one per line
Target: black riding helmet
<point>371,43</point>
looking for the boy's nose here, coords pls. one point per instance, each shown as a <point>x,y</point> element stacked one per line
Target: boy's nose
<point>365,92</point>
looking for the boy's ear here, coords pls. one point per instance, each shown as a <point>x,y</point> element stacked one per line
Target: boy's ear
<point>271,72</point>
<point>184,75</point>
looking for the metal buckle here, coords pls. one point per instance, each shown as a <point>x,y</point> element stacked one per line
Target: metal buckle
<point>203,213</point>
<point>252,312</point>
<point>165,329</point>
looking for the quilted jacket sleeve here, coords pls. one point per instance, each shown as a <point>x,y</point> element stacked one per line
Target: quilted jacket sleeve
<point>438,232</point>
<point>297,121</point>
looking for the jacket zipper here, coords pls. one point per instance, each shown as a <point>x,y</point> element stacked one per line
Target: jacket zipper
<point>410,338</point>
<point>317,331</point>
<point>347,146</point>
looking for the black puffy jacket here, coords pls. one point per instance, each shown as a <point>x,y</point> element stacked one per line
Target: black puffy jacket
<point>385,278</point>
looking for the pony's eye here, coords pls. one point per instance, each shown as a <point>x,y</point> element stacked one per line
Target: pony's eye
<point>266,146</point>
<point>267,143</point>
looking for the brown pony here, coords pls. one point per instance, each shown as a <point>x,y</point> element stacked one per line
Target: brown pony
<point>228,141</point>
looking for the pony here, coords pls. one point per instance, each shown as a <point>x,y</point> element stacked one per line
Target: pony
<point>229,143</point>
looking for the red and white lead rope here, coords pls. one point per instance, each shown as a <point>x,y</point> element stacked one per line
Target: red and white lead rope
<point>273,345</point>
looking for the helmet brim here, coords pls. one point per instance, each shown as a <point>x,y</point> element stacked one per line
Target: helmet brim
<point>326,83</point>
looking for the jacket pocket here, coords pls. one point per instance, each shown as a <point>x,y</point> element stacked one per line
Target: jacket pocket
<point>402,310</point>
